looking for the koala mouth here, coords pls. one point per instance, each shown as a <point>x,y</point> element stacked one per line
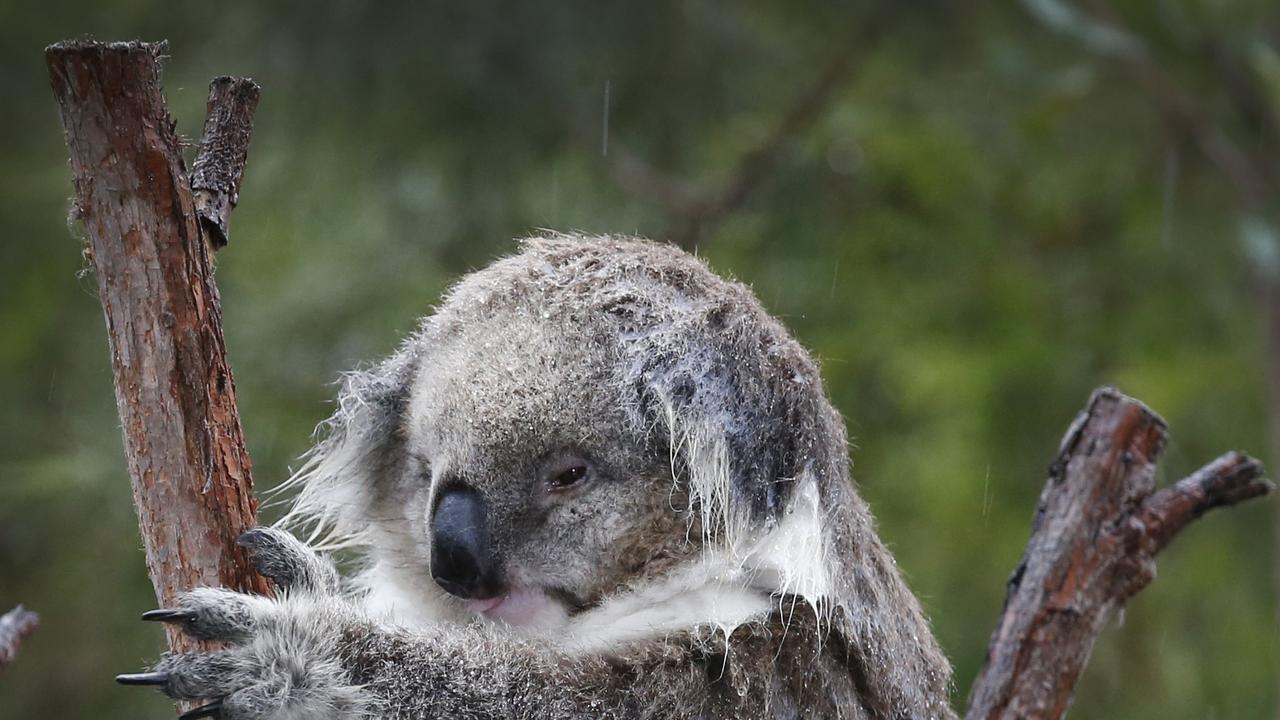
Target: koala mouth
<point>520,607</point>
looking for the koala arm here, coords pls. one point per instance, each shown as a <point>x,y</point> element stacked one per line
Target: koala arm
<point>308,653</point>
<point>475,674</point>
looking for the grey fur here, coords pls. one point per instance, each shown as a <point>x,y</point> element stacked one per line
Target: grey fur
<point>289,564</point>
<point>716,562</point>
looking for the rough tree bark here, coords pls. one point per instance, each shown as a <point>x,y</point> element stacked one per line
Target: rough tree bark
<point>174,391</point>
<point>224,148</point>
<point>1098,527</point>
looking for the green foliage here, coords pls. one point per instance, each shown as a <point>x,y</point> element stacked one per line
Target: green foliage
<point>984,222</point>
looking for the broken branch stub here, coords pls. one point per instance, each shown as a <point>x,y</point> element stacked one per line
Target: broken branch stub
<point>1097,530</point>
<point>175,394</point>
<point>219,165</point>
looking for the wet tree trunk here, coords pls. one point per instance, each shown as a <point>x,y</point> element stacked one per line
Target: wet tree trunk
<point>174,391</point>
<point>1096,532</point>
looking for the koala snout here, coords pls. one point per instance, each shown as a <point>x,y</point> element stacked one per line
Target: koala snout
<point>462,558</point>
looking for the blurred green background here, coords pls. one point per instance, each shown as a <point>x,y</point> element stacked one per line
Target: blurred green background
<point>972,213</point>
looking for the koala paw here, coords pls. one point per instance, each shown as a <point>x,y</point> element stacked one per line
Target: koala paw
<point>284,656</point>
<point>289,563</point>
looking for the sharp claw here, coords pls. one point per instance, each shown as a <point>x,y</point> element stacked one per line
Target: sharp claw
<point>147,678</point>
<point>170,615</point>
<point>210,710</point>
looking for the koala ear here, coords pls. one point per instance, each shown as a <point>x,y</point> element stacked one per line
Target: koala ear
<point>740,409</point>
<point>361,446</point>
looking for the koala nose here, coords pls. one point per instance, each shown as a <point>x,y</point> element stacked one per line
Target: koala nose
<point>462,561</point>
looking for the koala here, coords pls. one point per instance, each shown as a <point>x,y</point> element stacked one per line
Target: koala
<point>599,481</point>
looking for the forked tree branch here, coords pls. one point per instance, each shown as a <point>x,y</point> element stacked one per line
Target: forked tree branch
<point>174,390</point>
<point>1097,530</point>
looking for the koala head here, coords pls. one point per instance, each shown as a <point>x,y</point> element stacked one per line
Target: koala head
<point>527,487</point>
<point>575,421</point>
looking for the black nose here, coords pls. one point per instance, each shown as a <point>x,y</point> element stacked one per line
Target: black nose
<point>462,560</point>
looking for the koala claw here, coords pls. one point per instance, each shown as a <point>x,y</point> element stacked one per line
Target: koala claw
<point>170,615</point>
<point>212,709</point>
<point>146,678</point>
<point>213,614</point>
<point>283,656</point>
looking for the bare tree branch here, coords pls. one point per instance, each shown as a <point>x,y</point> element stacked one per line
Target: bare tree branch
<point>1231,479</point>
<point>224,149</point>
<point>1097,530</point>
<point>1251,170</point>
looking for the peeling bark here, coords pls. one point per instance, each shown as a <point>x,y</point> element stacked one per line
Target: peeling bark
<point>174,390</point>
<point>224,149</point>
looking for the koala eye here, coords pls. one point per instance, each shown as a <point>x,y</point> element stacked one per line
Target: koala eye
<point>565,471</point>
<point>568,477</point>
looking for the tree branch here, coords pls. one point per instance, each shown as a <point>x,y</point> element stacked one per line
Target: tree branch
<point>224,149</point>
<point>1097,530</point>
<point>1252,180</point>
<point>15,626</point>
<point>174,390</point>
<point>1231,479</point>
<point>754,167</point>
<point>701,205</point>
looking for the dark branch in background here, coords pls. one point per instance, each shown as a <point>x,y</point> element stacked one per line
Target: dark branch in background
<point>224,149</point>
<point>1181,113</point>
<point>754,168</point>
<point>175,394</point>
<point>636,176</point>
<point>15,626</point>
<point>699,207</point>
<point>1097,530</point>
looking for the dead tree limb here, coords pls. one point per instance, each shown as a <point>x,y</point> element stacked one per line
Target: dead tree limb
<point>1244,161</point>
<point>15,626</point>
<point>224,149</point>
<point>1097,529</point>
<point>174,390</point>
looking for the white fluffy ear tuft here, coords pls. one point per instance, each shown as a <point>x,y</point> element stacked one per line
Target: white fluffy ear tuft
<point>332,491</point>
<point>726,587</point>
<point>794,557</point>
<point>702,453</point>
<point>362,446</point>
